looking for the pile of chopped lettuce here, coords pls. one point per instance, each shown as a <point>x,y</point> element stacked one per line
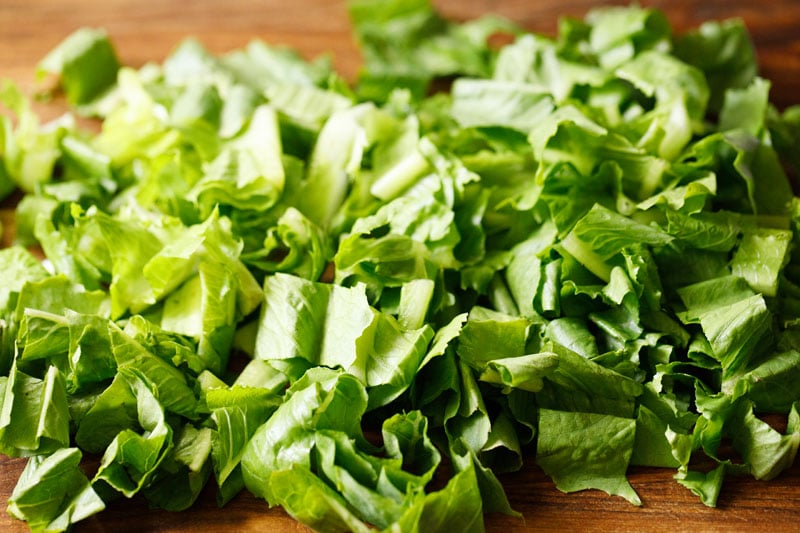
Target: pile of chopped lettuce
<point>363,301</point>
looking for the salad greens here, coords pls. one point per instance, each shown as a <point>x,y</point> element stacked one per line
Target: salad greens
<point>363,302</point>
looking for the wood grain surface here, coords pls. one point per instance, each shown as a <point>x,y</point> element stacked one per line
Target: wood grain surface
<point>146,30</point>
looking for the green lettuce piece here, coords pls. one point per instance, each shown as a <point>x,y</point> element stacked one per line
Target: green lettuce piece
<point>495,103</point>
<point>303,249</point>
<point>705,485</point>
<point>189,61</point>
<point>57,243</point>
<point>750,178</point>
<point>388,260</point>
<point>204,287</point>
<point>43,335</point>
<point>598,237</point>
<point>334,162</point>
<point>524,372</point>
<point>417,46</point>
<point>651,446</point>
<point>19,267</point>
<point>569,136</point>
<point>204,308</point>
<point>764,450</point>
<point>309,500</point>
<point>539,63</point>
<point>432,224</point>
<point>397,161</point>
<point>687,199</point>
<point>375,348</point>
<point>131,459</point>
<point>164,380</point>
<point>415,301</point>
<point>86,62</point>
<point>458,504</point>
<point>580,384</point>
<point>34,416</point>
<point>569,195</point>
<point>129,246</point>
<point>56,294</point>
<point>183,473</point>
<point>133,127</point>
<point>305,319</point>
<point>53,493</point>
<point>681,95</point>
<point>196,112</point>
<point>381,491</point>
<point>489,335</point>
<point>7,184</point>
<point>702,265</point>
<point>716,410</point>
<point>78,344</point>
<point>331,398</point>
<point>177,349</point>
<point>586,451</point>
<point>784,128</point>
<point>28,210</point>
<point>724,52</point>
<point>472,428</point>
<point>305,107</point>
<point>362,156</point>
<point>493,496</point>
<point>618,34</point>
<point>466,418</point>
<point>718,233</point>
<point>760,258</point>
<point>261,66</point>
<point>668,405</point>
<point>394,360</point>
<point>111,412</point>
<point>237,413</point>
<point>622,321</point>
<point>273,376</point>
<point>523,274</point>
<point>380,506</point>
<point>248,173</point>
<point>31,150</point>
<point>735,320</point>
<point>745,108</point>
<point>177,260</point>
<point>87,176</point>
<point>236,110</point>
<point>771,385</point>
<point>406,441</point>
<point>90,356</point>
<point>436,390</point>
<point>573,333</point>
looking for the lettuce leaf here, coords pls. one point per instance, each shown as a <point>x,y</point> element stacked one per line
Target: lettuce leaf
<point>586,450</point>
<point>53,493</point>
<point>34,419</point>
<point>86,62</point>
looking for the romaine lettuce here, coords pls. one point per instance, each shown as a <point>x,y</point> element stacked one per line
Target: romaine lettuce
<point>587,248</point>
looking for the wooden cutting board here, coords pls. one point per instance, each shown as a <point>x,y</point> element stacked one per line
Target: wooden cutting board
<point>146,30</point>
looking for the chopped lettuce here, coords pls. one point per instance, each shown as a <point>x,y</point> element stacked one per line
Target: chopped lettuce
<point>362,304</point>
<point>407,43</point>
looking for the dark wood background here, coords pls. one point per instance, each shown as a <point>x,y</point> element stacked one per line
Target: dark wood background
<point>146,30</point>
